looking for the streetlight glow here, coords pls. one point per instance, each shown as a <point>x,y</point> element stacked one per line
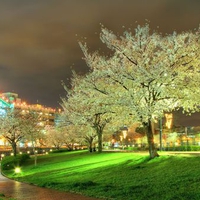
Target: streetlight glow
<point>17,170</point>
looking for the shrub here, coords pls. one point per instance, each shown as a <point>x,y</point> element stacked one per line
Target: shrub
<point>183,148</point>
<point>132,148</point>
<point>10,162</point>
<point>60,151</point>
<point>23,158</point>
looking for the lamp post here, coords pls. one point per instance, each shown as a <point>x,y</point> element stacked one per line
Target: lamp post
<point>160,130</point>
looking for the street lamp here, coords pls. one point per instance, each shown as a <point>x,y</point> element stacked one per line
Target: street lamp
<point>160,131</point>
<point>2,156</point>
<point>17,170</point>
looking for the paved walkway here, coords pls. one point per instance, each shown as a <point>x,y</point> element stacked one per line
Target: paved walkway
<point>23,191</point>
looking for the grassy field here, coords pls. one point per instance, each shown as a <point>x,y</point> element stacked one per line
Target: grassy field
<point>116,176</point>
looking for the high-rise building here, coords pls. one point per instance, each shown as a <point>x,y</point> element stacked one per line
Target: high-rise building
<point>11,100</point>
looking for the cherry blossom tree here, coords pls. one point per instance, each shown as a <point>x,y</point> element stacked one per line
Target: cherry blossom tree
<point>12,127</point>
<point>34,130</point>
<point>147,74</point>
<point>54,137</point>
<point>83,106</point>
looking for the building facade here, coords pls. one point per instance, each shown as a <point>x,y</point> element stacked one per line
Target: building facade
<point>10,100</point>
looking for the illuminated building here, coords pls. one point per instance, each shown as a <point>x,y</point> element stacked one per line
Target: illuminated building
<point>3,106</point>
<point>12,101</point>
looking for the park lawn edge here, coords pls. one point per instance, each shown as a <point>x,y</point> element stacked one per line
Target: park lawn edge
<point>115,175</point>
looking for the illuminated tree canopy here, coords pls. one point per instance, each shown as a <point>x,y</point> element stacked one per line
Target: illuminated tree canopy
<point>84,107</point>
<point>147,74</point>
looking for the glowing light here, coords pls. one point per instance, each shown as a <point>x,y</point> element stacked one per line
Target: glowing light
<point>169,118</point>
<point>17,170</point>
<point>29,144</point>
<point>1,141</point>
<point>124,133</point>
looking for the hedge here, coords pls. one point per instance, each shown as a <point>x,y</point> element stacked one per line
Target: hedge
<point>10,162</point>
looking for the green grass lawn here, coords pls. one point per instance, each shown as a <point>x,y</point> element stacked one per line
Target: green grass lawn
<point>116,176</point>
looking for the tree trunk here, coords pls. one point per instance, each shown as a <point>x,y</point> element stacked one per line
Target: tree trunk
<point>99,126</point>
<point>90,146</point>
<point>99,140</point>
<point>89,140</point>
<point>14,148</point>
<point>34,153</point>
<point>35,156</point>
<point>152,149</point>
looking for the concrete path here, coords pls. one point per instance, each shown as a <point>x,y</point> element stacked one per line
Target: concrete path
<point>23,191</point>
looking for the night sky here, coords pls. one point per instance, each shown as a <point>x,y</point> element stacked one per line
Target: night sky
<point>39,38</point>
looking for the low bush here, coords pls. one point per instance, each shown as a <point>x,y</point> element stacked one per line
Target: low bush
<point>183,148</point>
<point>132,148</point>
<point>10,162</point>
<point>60,151</point>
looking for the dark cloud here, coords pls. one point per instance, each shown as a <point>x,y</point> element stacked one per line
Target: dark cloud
<point>38,39</point>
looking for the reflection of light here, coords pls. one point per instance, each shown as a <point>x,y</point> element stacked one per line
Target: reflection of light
<point>169,118</point>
